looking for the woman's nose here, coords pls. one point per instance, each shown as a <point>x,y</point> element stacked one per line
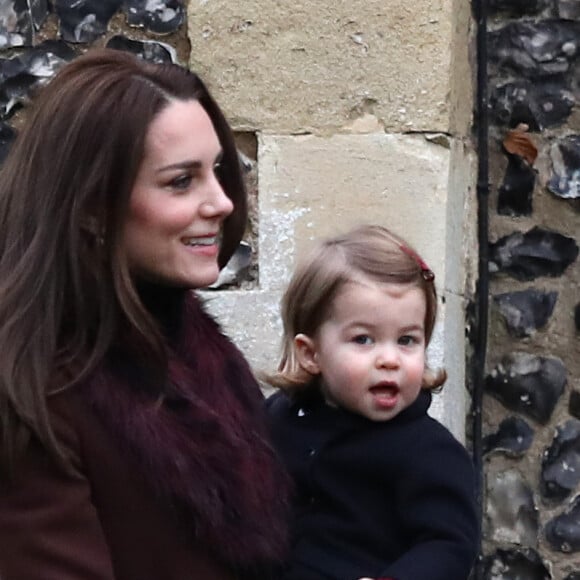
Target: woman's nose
<point>217,203</point>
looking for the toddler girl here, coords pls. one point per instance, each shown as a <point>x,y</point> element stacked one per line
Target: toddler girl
<point>382,490</point>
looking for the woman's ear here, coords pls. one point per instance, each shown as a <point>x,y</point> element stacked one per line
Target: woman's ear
<point>306,353</point>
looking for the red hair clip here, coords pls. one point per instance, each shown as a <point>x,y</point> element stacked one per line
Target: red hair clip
<point>426,272</point>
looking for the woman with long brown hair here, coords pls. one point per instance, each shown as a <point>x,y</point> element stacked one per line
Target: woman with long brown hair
<point>131,431</point>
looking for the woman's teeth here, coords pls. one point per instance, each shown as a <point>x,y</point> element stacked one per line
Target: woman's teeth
<point>200,241</point>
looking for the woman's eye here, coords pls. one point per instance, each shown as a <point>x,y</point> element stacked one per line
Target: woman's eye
<point>363,339</point>
<point>181,182</point>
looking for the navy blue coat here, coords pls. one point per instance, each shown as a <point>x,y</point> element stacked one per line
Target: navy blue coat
<point>392,499</point>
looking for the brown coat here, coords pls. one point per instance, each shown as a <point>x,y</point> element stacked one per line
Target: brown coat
<point>95,523</point>
<point>132,501</point>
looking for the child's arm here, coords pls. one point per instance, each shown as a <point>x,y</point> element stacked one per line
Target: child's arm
<point>436,502</point>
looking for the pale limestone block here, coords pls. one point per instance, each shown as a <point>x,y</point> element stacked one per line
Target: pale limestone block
<point>251,318</point>
<point>461,234</point>
<point>313,186</point>
<point>303,66</point>
<point>447,350</point>
<point>462,69</point>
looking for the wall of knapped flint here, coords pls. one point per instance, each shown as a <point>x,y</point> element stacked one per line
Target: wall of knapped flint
<point>532,401</point>
<point>38,36</point>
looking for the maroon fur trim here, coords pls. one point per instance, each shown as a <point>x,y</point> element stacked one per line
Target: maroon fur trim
<point>203,449</point>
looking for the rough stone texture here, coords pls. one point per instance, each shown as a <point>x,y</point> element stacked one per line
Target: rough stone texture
<point>561,462</point>
<point>565,157</point>
<point>544,49</point>
<point>515,194</point>
<point>516,564</point>
<point>563,531</point>
<point>513,437</point>
<point>537,252</point>
<point>292,67</point>
<point>511,512</point>
<point>540,104</point>
<point>528,384</point>
<point>317,186</point>
<point>82,22</point>
<point>518,7</point>
<point>526,311</point>
<point>534,79</point>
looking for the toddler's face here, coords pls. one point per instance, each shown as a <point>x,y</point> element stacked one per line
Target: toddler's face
<point>371,351</point>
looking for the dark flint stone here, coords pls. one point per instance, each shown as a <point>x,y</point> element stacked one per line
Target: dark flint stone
<point>44,60</point>
<point>565,157</point>
<point>563,531</point>
<point>83,21</point>
<point>513,437</point>
<point>522,564</point>
<point>538,252</point>
<point>574,404</point>
<point>14,92</point>
<point>511,512</point>
<point>561,462</point>
<point>146,49</point>
<point>237,268</point>
<point>518,7</point>
<point>569,9</point>
<point>577,317</point>
<point>15,24</point>
<point>525,311</point>
<point>515,193</point>
<point>546,48</point>
<point>38,12</point>
<point>544,103</point>
<point>7,136</point>
<point>247,164</point>
<point>528,384</point>
<point>166,17</point>
<point>22,74</point>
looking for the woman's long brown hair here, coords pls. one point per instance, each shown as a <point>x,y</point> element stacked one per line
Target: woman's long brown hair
<point>65,289</point>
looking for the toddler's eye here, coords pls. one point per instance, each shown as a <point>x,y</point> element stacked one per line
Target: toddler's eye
<point>407,340</point>
<point>363,339</point>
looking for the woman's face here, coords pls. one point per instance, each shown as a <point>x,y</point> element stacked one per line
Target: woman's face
<point>177,206</point>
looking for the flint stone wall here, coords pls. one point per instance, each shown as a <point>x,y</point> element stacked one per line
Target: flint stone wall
<point>531,407</point>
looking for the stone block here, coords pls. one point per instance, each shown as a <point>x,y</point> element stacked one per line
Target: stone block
<point>314,186</point>
<point>294,67</point>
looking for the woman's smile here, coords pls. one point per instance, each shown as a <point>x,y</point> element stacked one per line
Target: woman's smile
<point>173,230</point>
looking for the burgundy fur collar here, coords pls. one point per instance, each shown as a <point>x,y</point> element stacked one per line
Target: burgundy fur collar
<point>202,447</point>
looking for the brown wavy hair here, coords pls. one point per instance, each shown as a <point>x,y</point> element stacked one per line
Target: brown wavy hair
<point>369,250</point>
<point>65,292</point>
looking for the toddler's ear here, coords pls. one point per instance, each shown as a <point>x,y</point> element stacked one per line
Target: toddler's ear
<point>306,353</point>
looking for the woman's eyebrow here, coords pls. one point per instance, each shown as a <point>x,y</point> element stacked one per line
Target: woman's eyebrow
<point>191,164</point>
